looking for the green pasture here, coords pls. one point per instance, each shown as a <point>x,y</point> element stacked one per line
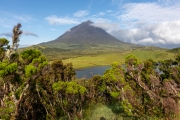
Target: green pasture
<point>118,56</point>
<point>83,58</point>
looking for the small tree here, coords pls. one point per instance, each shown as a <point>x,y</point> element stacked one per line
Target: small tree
<point>27,89</point>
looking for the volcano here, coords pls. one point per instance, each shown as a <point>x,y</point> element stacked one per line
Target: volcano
<point>85,34</point>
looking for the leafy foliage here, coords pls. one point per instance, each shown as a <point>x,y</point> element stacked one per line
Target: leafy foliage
<point>71,98</point>
<point>33,88</point>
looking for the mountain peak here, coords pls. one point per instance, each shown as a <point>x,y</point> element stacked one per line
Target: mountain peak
<point>84,34</point>
<point>88,21</point>
<point>84,24</point>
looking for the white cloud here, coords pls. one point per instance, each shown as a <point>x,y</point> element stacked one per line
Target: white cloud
<point>98,15</point>
<point>149,23</point>
<point>8,20</point>
<point>167,2</point>
<point>150,12</point>
<point>23,18</point>
<point>53,29</point>
<point>146,40</point>
<point>54,20</point>
<point>157,34</point>
<point>104,24</point>
<point>9,34</point>
<point>20,18</point>
<point>109,11</point>
<point>29,34</point>
<point>100,20</point>
<point>101,13</point>
<point>81,13</point>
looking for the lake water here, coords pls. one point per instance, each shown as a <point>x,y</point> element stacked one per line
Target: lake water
<point>98,70</point>
<point>89,72</point>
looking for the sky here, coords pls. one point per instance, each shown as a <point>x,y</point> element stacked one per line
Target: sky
<point>143,22</point>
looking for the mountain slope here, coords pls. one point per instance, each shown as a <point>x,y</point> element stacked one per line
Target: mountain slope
<point>85,35</point>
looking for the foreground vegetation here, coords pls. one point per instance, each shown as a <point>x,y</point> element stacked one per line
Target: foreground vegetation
<point>31,88</point>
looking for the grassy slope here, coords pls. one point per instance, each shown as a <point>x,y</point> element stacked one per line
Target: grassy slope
<point>82,58</point>
<point>109,58</point>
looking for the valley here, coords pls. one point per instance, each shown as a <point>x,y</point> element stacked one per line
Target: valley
<point>83,58</point>
<point>85,46</point>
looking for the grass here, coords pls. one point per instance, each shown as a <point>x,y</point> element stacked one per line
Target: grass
<point>105,112</point>
<point>86,61</point>
<point>83,58</point>
<point>99,111</point>
<point>118,56</point>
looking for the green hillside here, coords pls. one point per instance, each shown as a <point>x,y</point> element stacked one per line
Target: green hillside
<point>81,58</point>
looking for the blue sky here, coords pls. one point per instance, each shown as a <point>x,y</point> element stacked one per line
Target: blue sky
<point>146,22</point>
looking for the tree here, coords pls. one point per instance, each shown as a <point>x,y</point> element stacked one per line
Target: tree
<point>15,38</point>
<point>154,90</point>
<point>27,89</point>
<point>3,47</point>
<point>33,88</point>
<point>35,95</point>
<point>70,99</point>
<point>10,77</point>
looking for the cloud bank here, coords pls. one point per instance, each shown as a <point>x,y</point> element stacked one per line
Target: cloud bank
<point>157,34</point>
<point>104,24</point>
<point>54,20</point>
<point>29,34</point>
<point>6,34</point>
<point>151,12</point>
<point>155,24</point>
<point>150,23</point>
<point>26,33</point>
<point>8,20</point>
<point>81,13</point>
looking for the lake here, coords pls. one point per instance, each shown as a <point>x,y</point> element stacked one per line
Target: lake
<point>89,72</point>
<point>98,70</point>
